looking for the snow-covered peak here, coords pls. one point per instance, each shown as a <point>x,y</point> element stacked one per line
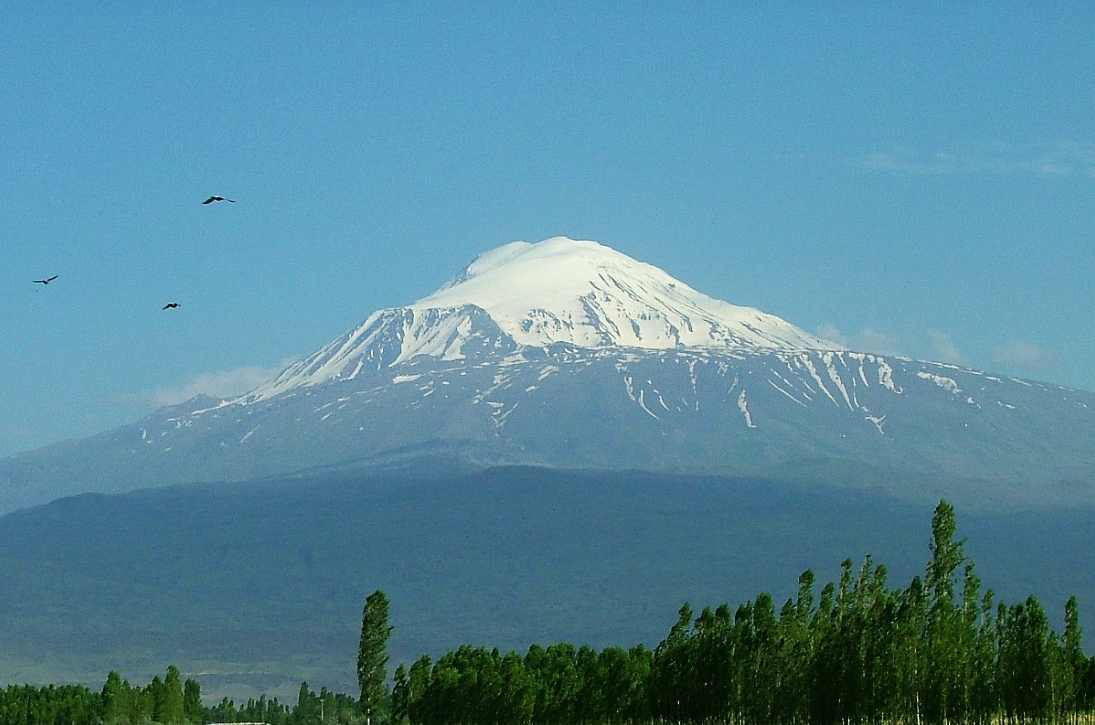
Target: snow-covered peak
<point>590,295</point>
<point>559,290</point>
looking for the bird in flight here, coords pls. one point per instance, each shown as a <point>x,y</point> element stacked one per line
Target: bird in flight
<point>47,280</point>
<point>214,199</point>
<point>171,306</point>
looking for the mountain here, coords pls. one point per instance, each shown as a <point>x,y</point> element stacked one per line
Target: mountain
<point>570,354</point>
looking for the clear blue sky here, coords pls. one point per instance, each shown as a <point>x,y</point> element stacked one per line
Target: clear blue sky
<point>919,182</point>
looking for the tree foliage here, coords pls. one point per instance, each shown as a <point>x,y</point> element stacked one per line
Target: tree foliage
<point>372,654</point>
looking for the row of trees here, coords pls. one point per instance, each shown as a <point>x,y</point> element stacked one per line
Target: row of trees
<point>312,708</point>
<point>559,684</point>
<point>169,701</point>
<point>936,651</point>
<point>163,700</point>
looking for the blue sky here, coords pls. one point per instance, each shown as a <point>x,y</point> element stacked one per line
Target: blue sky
<point>912,182</point>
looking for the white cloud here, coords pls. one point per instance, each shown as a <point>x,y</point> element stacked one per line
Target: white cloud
<point>866,340</point>
<point>217,383</point>
<point>1023,354</point>
<point>944,349</point>
<point>939,346</point>
<point>1065,158</point>
<point>871,340</point>
<point>831,332</point>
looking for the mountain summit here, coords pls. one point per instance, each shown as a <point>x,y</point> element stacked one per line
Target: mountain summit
<point>559,290</point>
<point>590,295</point>
<point>570,354</point>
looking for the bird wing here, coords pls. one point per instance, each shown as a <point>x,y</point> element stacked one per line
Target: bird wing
<point>210,200</point>
<point>53,278</point>
<point>231,200</point>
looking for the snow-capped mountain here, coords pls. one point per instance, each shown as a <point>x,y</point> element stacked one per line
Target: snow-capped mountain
<point>568,353</point>
<point>559,290</point>
<point>589,295</point>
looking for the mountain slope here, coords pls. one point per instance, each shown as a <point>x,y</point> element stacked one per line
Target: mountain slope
<point>260,585</point>
<point>917,429</point>
<point>567,353</point>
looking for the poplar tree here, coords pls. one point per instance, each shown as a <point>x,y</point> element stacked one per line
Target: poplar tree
<point>1075,662</point>
<point>372,653</point>
<point>172,697</point>
<point>155,693</point>
<point>192,701</point>
<point>115,698</point>
<point>418,680</point>
<point>307,703</point>
<point>944,622</point>
<point>401,695</point>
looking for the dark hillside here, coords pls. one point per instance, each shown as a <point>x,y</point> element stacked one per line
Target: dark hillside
<point>267,578</point>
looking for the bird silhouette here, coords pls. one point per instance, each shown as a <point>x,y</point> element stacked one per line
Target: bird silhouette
<point>47,280</point>
<point>171,306</point>
<point>214,199</point>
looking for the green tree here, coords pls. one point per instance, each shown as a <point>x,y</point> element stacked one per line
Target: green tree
<point>944,641</point>
<point>372,653</point>
<point>308,705</point>
<point>401,695</point>
<point>1074,661</point>
<point>418,681</point>
<point>115,698</point>
<point>155,694</point>
<point>192,701</point>
<point>172,712</point>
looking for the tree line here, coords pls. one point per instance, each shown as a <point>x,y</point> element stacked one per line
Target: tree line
<point>164,700</point>
<point>938,651</point>
<point>168,701</point>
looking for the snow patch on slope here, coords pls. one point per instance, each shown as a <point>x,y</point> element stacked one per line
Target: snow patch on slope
<point>948,384</point>
<point>743,406</point>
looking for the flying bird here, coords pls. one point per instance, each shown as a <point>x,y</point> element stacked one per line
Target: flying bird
<point>171,306</point>
<point>214,199</point>
<point>47,280</point>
